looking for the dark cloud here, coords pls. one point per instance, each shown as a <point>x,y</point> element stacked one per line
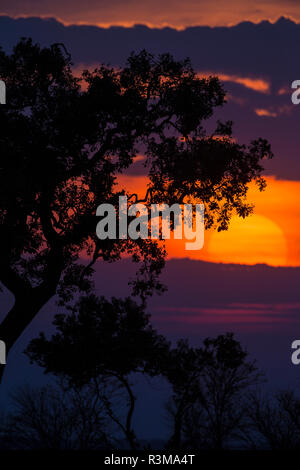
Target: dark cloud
<point>265,51</point>
<point>196,288</point>
<point>154,12</point>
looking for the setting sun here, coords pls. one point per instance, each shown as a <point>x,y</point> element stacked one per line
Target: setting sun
<point>261,238</point>
<point>252,241</point>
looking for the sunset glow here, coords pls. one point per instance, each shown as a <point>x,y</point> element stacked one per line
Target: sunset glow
<point>269,236</point>
<point>153,14</point>
<point>253,241</point>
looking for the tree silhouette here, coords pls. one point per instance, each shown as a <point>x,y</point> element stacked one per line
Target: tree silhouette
<point>209,392</point>
<point>102,341</point>
<point>64,141</point>
<point>273,421</point>
<point>183,371</point>
<point>55,418</point>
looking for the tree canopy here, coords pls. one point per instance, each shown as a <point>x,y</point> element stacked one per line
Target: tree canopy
<point>66,139</point>
<point>102,342</point>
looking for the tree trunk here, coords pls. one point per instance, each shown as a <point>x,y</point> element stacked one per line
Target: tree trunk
<point>26,307</point>
<point>175,441</point>
<point>129,431</point>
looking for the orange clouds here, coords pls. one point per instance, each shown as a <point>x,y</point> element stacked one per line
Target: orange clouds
<point>256,84</point>
<point>265,112</point>
<point>285,109</point>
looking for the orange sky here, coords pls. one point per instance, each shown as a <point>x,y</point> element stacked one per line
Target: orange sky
<point>154,13</point>
<point>271,235</point>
